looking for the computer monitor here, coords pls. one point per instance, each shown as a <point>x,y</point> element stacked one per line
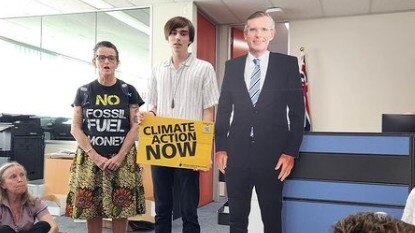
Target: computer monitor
<point>398,123</point>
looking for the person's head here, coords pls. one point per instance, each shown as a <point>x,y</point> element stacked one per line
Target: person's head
<point>105,58</point>
<point>179,32</point>
<point>13,181</point>
<point>258,32</point>
<point>370,223</point>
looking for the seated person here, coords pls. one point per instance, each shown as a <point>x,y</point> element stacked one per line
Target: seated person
<point>371,223</point>
<point>18,209</point>
<point>409,211</point>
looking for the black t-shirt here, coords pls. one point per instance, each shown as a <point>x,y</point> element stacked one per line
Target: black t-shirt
<point>106,114</point>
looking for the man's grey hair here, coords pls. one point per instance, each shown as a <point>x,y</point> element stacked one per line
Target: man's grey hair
<point>259,14</point>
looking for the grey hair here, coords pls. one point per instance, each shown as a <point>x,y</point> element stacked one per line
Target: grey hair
<point>259,14</point>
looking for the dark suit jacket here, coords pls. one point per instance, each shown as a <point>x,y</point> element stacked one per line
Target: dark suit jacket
<point>273,135</point>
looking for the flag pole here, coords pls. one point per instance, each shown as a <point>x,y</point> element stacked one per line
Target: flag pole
<point>304,83</point>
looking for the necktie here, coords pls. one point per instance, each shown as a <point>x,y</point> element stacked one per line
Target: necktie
<point>254,85</point>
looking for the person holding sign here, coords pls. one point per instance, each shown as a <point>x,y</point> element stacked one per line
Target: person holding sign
<point>182,87</point>
<point>257,149</point>
<point>105,180</point>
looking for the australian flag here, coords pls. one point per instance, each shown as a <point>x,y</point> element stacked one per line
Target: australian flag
<point>304,82</point>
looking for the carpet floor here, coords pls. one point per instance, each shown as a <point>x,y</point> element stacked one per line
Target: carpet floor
<point>208,220</point>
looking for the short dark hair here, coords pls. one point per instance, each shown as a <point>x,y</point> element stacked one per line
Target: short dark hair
<point>368,222</point>
<point>106,44</point>
<point>259,14</point>
<point>179,22</point>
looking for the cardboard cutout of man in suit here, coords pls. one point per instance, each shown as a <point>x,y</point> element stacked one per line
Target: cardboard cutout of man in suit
<point>257,141</point>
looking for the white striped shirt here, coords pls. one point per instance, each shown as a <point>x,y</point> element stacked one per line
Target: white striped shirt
<point>193,86</point>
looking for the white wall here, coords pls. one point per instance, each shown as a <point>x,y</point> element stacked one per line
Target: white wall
<point>358,68</point>
<point>222,50</point>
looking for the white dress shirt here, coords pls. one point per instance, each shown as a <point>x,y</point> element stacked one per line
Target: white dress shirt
<point>249,68</point>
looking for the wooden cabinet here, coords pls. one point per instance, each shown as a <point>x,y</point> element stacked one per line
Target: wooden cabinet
<point>57,176</point>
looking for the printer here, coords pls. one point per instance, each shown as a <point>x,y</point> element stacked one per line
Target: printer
<point>22,140</point>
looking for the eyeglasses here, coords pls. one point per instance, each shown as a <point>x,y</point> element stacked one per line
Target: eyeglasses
<point>255,30</point>
<point>101,58</point>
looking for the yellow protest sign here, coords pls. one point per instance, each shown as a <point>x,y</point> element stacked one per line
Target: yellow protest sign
<point>175,143</point>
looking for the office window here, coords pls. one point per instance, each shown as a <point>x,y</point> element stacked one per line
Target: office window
<point>45,59</point>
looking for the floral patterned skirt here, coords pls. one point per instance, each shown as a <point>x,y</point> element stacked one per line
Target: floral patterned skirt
<point>94,193</point>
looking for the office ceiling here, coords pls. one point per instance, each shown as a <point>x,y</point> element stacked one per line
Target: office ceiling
<point>220,11</point>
